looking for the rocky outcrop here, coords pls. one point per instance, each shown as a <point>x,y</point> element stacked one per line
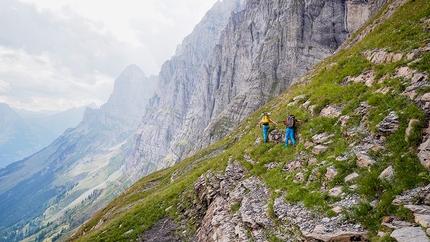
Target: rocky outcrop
<point>234,206</point>
<point>237,210</point>
<point>417,201</point>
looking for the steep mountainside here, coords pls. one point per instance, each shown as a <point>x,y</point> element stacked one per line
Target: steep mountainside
<point>264,48</point>
<point>80,168</point>
<point>18,138</point>
<point>360,171</point>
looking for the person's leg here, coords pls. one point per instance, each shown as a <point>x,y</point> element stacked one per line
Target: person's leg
<point>265,131</point>
<point>287,136</point>
<point>292,137</point>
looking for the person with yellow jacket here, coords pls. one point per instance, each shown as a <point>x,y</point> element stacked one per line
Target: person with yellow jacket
<point>265,121</point>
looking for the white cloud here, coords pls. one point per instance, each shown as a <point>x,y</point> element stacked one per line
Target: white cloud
<point>59,54</point>
<point>4,86</point>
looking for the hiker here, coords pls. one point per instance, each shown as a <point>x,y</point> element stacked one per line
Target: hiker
<point>265,121</point>
<point>290,125</point>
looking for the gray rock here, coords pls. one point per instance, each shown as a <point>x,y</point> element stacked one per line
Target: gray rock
<point>292,165</point>
<point>331,111</point>
<point>364,160</point>
<point>424,153</point>
<point>422,219</point>
<point>331,173</point>
<point>409,128</point>
<point>321,138</point>
<point>367,78</point>
<point>299,177</point>
<point>322,233</point>
<point>335,191</point>
<point>421,209</point>
<point>319,149</point>
<point>396,224</point>
<point>351,177</point>
<point>409,234</point>
<point>220,223</point>
<point>389,124</point>
<point>387,173</point>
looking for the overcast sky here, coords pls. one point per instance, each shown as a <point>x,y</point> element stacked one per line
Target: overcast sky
<point>59,54</point>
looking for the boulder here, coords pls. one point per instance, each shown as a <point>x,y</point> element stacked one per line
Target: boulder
<point>396,224</point>
<point>409,234</point>
<point>344,120</point>
<point>331,173</point>
<point>424,153</point>
<point>364,160</point>
<point>367,78</point>
<point>351,177</point>
<point>387,173</point>
<point>308,144</point>
<point>321,138</point>
<point>389,124</point>
<point>380,56</point>
<point>299,177</point>
<point>312,161</point>
<point>331,111</point>
<point>409,128</point>
<point>319,149</point>
<point>422,219</point>
<point>321,233</point>
<point>277,136</point>
<point>335,191</point>
<point>422,209</point>
<point>292,165</point>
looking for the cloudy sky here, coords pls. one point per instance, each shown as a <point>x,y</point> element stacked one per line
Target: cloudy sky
<point>59,54</point>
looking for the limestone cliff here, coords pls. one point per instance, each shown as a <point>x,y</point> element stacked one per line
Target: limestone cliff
<point>162,137</point>
<point>218,78</point>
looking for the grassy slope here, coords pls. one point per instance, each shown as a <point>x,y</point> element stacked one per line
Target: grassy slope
<point>156,196</point>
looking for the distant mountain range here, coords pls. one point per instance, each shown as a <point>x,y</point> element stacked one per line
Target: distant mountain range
<point>85,163</point>
<point>22,133</point>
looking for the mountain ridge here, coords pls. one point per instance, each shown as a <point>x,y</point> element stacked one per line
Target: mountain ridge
<point>78,166</point>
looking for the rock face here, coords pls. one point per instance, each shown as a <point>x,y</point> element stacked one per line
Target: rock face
<point>220,75</point>
<point>233,208</point>
<point>415,200</point>
<point>180,110</point>
<point>237,210</point>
